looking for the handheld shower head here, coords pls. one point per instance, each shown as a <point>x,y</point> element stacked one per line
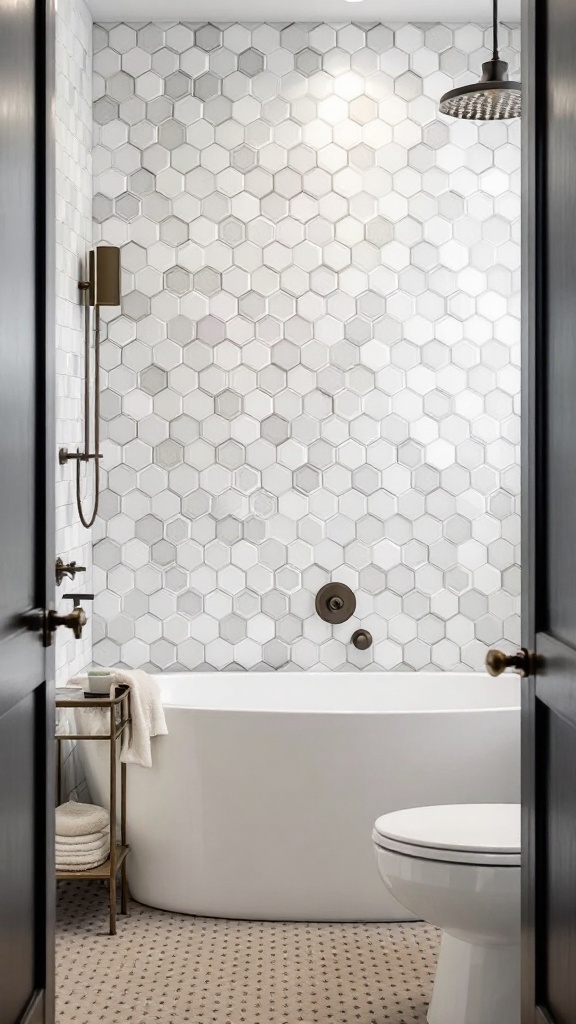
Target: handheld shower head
<point>103,288</point>
<point>104,276</point>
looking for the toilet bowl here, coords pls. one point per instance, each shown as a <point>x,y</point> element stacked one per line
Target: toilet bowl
<point>458,867</point>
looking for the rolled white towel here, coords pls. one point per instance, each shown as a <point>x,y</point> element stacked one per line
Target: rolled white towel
<point>80,842</point>
<point>76,819</point>
<point>88,849</point>
<point>83,864</point>
<point>82,857</point>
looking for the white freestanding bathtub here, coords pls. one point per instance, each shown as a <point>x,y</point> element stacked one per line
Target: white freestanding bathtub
<point>261,800</point>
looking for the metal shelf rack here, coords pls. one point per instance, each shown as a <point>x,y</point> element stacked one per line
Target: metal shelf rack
<point>118,706</point>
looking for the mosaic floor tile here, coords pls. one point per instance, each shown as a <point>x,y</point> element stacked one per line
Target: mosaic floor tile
<point>166,968</point>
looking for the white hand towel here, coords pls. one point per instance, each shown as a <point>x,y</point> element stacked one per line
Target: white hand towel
<point>93,849</point>
<point>146,712</point>
<point>79,842</point>
<point>77,819</point>
<point>74,856</point>
<point>90,861</point>
<point>82,864</point>
<point>70,855</point>
<point>82,858</point>
<point>147,716</point>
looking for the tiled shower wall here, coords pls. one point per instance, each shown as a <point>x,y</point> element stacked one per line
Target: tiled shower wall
<point>315,374</point>
<point>73,240</point>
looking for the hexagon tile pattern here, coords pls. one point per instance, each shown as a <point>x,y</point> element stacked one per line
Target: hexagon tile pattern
<point>73,179</point>
<point>315,372</point>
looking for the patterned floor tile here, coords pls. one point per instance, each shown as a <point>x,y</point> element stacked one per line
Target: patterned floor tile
<point>166,968</point>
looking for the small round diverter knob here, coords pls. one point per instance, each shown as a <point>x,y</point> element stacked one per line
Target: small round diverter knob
<point>362,639</point>
<point>335,602</point>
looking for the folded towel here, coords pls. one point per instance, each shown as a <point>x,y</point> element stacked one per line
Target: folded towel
<point>76,819</point>
<point>80,842</point>
<point>84,864</point>
<point>84,860</point>
<point>86,849</point>
<point>81,856</point>
<point>146,712</point>
<point>65,857</point>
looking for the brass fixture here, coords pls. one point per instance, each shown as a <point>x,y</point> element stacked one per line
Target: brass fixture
<point>335,602</point>
<point>101,289</point>
<point>75,620</point>
<point>70,570</point>
<point>497,662</point>
<point>104,276</point>
<point>46,621</point>
<point>77,598</point>
<point>362,639</point>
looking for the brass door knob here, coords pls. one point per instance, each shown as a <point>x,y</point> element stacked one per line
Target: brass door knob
<point>75,620</point>
<point>497,662</point>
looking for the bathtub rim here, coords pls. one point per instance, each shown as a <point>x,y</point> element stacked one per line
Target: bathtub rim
<point>265,708</point>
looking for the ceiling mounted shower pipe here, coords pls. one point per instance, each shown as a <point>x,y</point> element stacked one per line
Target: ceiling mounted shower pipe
<point>493,98</point>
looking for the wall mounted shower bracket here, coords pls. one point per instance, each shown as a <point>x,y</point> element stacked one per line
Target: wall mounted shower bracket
<point>101,289</point>
<point>61,569</point>
<point>65,456</point>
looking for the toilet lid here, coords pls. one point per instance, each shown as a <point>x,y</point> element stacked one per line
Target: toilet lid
<point>455,833</point>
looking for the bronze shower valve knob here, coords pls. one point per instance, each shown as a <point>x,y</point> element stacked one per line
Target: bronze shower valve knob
<point>335,603</point>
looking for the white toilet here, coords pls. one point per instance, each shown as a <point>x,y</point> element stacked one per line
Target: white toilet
<point>458,867</point>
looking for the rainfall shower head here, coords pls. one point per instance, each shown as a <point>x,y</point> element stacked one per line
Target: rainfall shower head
<point>493,98</point>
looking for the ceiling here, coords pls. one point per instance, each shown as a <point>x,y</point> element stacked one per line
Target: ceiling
<point>301,10</point>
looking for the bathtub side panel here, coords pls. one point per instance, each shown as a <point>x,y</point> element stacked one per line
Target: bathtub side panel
<point>269,816</point>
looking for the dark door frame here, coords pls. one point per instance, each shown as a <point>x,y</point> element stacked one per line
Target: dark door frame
<point>535,343</point>
<point>26,668</point>
<point>531,334</point>
<point>45,88</point>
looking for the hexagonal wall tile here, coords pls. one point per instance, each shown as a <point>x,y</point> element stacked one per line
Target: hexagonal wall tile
<point>314,373</point>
